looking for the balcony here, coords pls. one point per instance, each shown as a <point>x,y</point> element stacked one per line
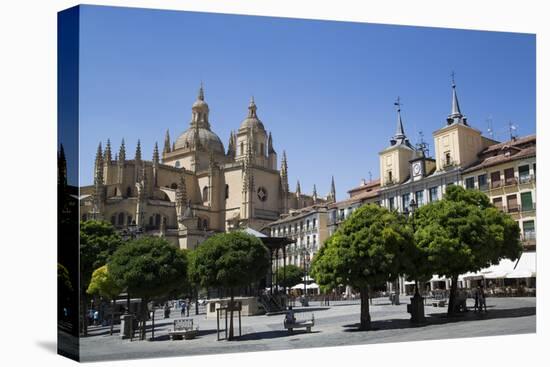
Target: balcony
<point>513,209</point>
<point>496,184</point>
<point>523,179</point>
<point>510,181</point>
<point>529,240</point>
<point>484,187</point>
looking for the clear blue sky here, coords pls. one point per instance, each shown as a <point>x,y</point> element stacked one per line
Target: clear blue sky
<point>325,89</point>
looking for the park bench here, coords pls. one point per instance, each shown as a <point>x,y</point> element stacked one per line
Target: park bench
<point>299,324</point>
<point>439,303</point>
<point>183,329</point>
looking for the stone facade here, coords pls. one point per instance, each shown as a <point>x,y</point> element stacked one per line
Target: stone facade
<point>195,187</point>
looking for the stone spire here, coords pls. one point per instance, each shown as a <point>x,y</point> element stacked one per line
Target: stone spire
<point>456,115</point>
<point>156,158</point>
<point>138,152</point>
<point>183,204</point>
<point>298,189</point>
<point>248,184</point>
<point>332,194</point>
<point>284,173</point>
<point>270,149</point>
<point>61,169</point>
<point>399,137</point>
<point>231,146</point>
<point>98,169</point>
<point>167,146</point>
<point>107,155</point>
<point>314,195</point>
<point>122,153</point>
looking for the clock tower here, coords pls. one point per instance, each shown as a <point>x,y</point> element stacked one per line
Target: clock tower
<point>420,164</point>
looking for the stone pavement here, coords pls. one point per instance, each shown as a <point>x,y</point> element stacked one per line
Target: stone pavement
<point>334,325</point>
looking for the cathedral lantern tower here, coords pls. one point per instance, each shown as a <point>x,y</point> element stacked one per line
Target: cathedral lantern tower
<point>192,149</point>
<point>252,133</point>
<point>394,160</point>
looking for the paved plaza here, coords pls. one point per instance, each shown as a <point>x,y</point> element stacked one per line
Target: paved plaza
<point>334,325</point>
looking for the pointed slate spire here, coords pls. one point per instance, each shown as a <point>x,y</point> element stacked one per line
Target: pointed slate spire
<point>399,137</point>
<point>201,92</point>
<point>122,153</point>
<point>298,189</point>
<point>107,155</point>
<point>332,194</point>
<point>456,115</point>
<point>167,145</point>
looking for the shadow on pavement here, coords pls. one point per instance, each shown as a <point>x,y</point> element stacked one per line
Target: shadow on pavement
<point>273,334</point>
<point>442,318</point>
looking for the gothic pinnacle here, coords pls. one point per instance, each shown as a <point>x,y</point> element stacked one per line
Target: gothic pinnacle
<point>138,151</point>
<point>122,152</point>
<point>107,156</point>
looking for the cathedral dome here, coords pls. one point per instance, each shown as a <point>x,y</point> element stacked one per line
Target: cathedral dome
<point>207,139</point>
<point>252,121</point>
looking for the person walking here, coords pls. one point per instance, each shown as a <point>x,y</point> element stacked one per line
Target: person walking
<point>183,306</point>
<point>476,298</point>
<point>482,302</point>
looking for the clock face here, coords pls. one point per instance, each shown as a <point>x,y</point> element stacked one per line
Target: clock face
<point>417,168</point>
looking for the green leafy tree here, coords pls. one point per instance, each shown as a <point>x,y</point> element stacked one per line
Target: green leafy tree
<point>229,260</point>
<point>289,275</point>
<point>104,285</point>
<point>64,290</point>
<point>149,268</point>
<point>98,241</point>
<point>365,251</point>
<point>464,232</point>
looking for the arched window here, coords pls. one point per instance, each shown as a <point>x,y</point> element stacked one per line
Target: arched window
<point>128,191</point>
<point>151,219</point>
<point>242,148</point>
<point>174,185</point>
<point>227,191</point>
<point>205,193</point>
<point>120,219</point>
<point>115,192</point>
<point>178,162</point>
<point>205,223</point>
<point>129,220</point>
<point>262,149</point>
<point>157,220</point>
<point>113,220</point>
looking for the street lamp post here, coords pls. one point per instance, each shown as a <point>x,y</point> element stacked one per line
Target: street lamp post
<point>126,320</point>
<point>417,302</point>
<point>305,257</point>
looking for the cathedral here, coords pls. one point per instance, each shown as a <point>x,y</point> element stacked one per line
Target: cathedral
<point>195,187</point>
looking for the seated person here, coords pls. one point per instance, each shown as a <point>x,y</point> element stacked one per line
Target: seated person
<point>289,318</point>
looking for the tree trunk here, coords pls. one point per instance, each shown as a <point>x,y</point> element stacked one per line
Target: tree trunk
<point>231,316</point>
<point>143,313</point>
<point>196,301</point>
<point>85,314</point>
<point>365,313</point>
<point>452,295</point>
<point>112,315</point>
